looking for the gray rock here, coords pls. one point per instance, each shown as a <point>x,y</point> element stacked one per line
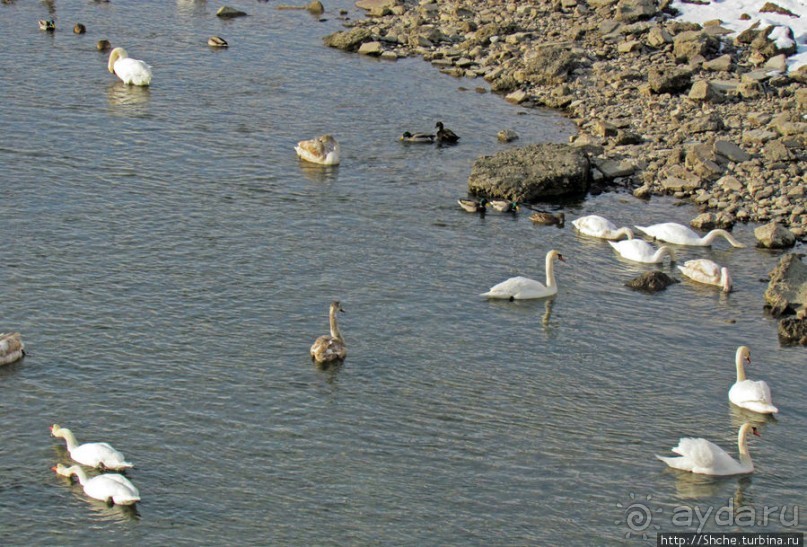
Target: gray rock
<point>730,151</point>
<point>710,221</point>
<point>787,289</point>
<point>719,64</point>
<point>793,330</point>
<point>704,91</point>
<point>651,281</point>
<point>687,45</point>
<point>228,12</point>
<point>701,160</point>
<point>774,236</point>
<point>371,48</point>
<point>630,11</point>
<point>669,79</point>
<point>612,169</point>
<point>530,173</point>
<point>549,64</point>
<point>348,40</point>
<point>507,135</point>
<point>776,151</point>
<point>658,37</point>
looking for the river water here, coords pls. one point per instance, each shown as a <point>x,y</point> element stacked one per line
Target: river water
<point>169,262</point>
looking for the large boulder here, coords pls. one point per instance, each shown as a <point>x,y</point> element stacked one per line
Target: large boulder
<point>531,173</point>
<point>550,64</point>
<point>774,236</point>
<point>787,289</point>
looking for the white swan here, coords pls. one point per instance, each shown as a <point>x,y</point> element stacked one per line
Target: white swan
<point>11,348</point>
<point>679,234</point>
<point>111,488</point>
<point>522,288</point>
<point>706,458</point>
<point>323,150</point>
<point>750,394</point>
<point>330,349</point>
<point>707,271</point>
<point>639,250</point>
<point>131,71</point>
<point>100,455</point>
<point>601,227</point>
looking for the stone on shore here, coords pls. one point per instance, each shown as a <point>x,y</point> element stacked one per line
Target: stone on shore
<point>348,40</point>
<point>787,289</point>
<point>531,173</point>
<point>227,12</point>
<point>774,236</point>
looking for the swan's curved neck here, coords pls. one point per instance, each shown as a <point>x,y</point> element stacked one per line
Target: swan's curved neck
<point>740,367</point>
<point>742,445</point>
<point>550,271</point>
<point>78,472</point>
<point>624,231</point>
<point>69,438</point>
<point>714,234</point>
<point>335,333</point>
<point>659,254</point>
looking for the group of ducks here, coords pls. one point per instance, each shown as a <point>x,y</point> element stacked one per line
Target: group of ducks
<point>701,270</point>
<point>111,488</point>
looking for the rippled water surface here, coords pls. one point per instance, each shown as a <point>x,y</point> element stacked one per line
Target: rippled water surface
<point>169,262</point>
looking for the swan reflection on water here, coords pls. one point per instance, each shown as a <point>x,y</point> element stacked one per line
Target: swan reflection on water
<point>128,100</point>
<point>692,486</point>
<point>318,173</point>
<point>739,416</point>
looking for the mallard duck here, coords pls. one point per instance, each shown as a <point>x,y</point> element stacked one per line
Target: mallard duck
<point>111,488</point>
<point>131,71</point>
<point>473,206</point>
<point>323,150</point>
<point>330,349</point>
<point>217,41</point>
<point>100,455</point>
<point>545,217</point>
<point>47,24</point>
<point>11,348</point>
<point>504,205</point>
<point>445,136</point>
<point>425,138</point>
<point>79,28</point>
<point>103,45</point>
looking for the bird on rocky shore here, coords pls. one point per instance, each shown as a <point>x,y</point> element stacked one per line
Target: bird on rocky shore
<point>505,205</point>
<point>323,150</point>
<point>671,232</point>
<point>473,206</point>
<point>445,136</point>
<point>545,217</point>
<point>422,138</point>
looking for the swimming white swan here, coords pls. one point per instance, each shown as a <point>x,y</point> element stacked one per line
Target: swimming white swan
<point>11,348</point>
<point>323,150</point>
<point>330,349</point>
<point>682,235</point>
<point>111,488</point>
<point>522,288</point>
<point>131,71</point>
<point>639,250</point>
<point>708,272</point>
<point>100,455</point>
<point>706,458</point>
<point>597,226</point>
<point>750,394</point>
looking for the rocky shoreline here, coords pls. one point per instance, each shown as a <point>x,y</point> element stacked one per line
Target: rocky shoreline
<point>662,106</point>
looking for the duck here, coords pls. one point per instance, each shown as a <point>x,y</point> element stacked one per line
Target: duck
<point>523,288</point>
<point>601,227</point>
<point>422,138</point>
<point>708,272</point>
<point>217,41</point>
<point>323,150</point>
<point>11,348</point>
<point>79,28</point>
<point>103,45</point>
<point>504,205</point>
<point>111,488</point>
<point>130,71</point>
<point>330,349</point>
<point>473,206</point>
<point>47,24</point>
<point>671,232</point>
<point>639,250</point>
<point>545,217</point>
<point>706,458</point>
<point>445,136</point>
<point>100,455</point>
<point>749,394</point>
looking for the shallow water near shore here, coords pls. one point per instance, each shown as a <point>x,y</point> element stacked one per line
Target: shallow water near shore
<point>169,262</point>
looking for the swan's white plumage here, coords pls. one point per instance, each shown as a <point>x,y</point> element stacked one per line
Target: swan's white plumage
<point>130,71</point>
<point>11,348</point>
<point>107,487</point>
<point>100,455</point>
<point>523,288</point>
<point>601,227</point>
<point>639,250</point>
<point>708,272</point>
<point>679,234</point>
<point>754,395</point>
<point>323,150</point>
<point>706,458</point>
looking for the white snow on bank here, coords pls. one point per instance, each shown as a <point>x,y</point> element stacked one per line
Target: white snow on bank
<point>729,12</point>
